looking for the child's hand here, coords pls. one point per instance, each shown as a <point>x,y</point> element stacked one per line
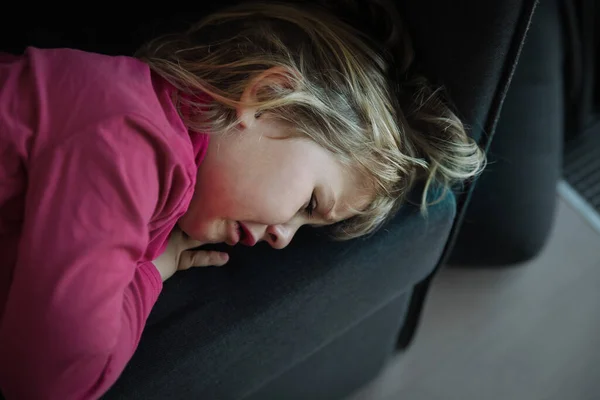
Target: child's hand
<point>178,255</point>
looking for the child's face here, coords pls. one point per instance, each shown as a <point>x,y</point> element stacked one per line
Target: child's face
<point>251,187</point>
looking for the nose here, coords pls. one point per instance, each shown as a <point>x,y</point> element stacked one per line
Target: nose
<point>279,236</point>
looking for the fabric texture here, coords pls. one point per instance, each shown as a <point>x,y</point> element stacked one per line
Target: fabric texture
<point>471,49</point>
<point>512,207</point>
<point>224,333</point>
<point>96,168</point>
<point>372,341</point>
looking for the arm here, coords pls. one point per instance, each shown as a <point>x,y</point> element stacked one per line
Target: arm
<point>79,298</point>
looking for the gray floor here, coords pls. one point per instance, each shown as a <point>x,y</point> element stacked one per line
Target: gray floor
<point>529,333</point>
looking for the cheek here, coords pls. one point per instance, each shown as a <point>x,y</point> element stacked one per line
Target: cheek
<point>265,197</point>
<point>211,194</point>
<point>207,212</point>
<point>221,193</point>
<point>278,197</point>
<point>269,189</point>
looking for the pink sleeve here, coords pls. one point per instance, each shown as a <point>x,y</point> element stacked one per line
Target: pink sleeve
<point>79,298</point>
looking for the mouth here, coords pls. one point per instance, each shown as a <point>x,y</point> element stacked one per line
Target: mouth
<point>246,237</point>
<point>241,234</point>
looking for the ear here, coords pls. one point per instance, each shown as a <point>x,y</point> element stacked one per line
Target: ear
<point>274,78</point>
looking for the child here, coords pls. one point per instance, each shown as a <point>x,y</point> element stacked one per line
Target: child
<point>258,120</point>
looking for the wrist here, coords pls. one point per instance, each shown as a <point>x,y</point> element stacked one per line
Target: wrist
<point>151,274</point>
<point>162,271</point>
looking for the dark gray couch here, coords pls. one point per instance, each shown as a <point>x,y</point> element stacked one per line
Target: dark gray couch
<point>511,212</point>
<point>318,319</point>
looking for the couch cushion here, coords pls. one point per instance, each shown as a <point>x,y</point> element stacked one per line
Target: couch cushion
<point>470,47</point>
<point>511,210</point>
<point>218,333</point>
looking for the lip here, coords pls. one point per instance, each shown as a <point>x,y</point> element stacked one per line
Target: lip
<point>234,234</point>
<point>249,239</point>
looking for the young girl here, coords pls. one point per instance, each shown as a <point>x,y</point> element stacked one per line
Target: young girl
<point>258,120</point>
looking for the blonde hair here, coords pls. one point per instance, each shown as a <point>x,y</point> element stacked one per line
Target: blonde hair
<point>342,96</point>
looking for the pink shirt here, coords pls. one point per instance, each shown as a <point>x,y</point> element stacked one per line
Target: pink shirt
<point>95,169</point>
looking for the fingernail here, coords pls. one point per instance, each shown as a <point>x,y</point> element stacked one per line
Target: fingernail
<point>224,257</point>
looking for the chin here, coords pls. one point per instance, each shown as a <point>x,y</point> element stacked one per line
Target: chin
<point>191,233</point>
<point>199,233</point>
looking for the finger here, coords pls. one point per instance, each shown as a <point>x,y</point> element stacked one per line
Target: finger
<point>189,243</point>
<point>202,258</point>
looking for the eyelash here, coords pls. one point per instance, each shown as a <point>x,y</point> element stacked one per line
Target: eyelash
<point>310,208</point>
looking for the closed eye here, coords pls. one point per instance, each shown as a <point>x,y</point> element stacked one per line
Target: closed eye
<point>312,205</point>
